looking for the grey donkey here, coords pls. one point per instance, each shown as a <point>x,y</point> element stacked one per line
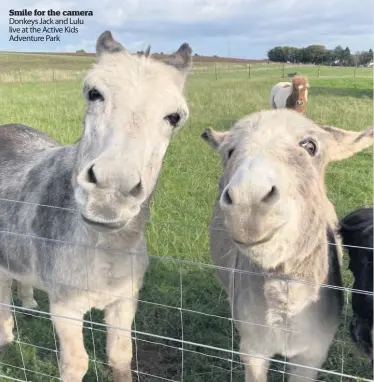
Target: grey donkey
<point>272,223</point>
<point>77,228</point>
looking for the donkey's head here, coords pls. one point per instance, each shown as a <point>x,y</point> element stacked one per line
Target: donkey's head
<point>273,196</point>
<point>135,105</point>
<point>299,95</point>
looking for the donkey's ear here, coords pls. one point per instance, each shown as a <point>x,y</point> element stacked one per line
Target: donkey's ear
<point>107,44</point>
<point>343,144</point>
<point>148,51</point>
<point>182,58</point>
<point>213,138</point>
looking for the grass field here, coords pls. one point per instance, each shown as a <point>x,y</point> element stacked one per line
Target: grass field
<point>178,229</point>
<point>37,67</point>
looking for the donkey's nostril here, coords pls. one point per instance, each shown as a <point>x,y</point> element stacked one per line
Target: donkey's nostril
<point>136,191</point>
<point>272,196</point>
<point>226,197</point>
<point>91,175</point>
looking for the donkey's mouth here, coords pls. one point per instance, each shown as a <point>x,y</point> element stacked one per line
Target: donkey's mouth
<point>263,240</point>
<point>103,226</point>
<point>252,243</point>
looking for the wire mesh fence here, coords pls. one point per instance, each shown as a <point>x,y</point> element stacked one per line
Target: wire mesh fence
<point>183,329</point>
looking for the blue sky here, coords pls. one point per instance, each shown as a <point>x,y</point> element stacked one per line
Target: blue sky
<point>239,28</point>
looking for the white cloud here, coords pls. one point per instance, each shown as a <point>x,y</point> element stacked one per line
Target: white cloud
<point>209,24</point>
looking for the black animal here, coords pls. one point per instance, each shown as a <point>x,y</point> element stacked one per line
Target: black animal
<point>356,230</point>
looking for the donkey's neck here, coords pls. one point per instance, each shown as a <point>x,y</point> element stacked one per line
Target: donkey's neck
<point>307,256</point>
<point>294,286</point>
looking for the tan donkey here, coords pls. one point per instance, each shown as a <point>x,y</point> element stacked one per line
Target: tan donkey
<point>272,223</point>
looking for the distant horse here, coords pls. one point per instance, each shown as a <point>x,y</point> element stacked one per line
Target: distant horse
<point>290,95</point>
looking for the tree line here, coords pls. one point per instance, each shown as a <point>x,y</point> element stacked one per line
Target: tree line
<point>319,54</point>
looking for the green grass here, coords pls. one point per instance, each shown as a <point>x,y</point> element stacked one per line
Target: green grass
<point>181,214</point>
<point>9,61</point>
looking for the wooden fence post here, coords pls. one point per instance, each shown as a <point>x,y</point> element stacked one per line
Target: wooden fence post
<point>354,73</point>
<point>249,70</point>
<point>215,70</point>
<point>283,71</point>
<point>318,71</point>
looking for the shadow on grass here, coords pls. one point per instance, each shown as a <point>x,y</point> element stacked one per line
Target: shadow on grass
<point>196,341</point>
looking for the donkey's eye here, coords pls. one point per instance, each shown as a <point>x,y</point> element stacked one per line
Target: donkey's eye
<point>229,153</point>
<point>173,119</point>
<point>95,95</point>
<point>310,146</point>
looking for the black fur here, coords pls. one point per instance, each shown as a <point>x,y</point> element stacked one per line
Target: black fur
<point>356,230</point>
<point>335,277</point>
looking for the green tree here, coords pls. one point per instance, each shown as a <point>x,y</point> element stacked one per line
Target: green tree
<point>319,54</point>
<point>347,57</point>
<point>290,53</point>
<point>338,53</point>
<point>276,54</point>
<point>286,53</point>
<point>364,57</point>
<point>355,58</point>
<point>315,53</point>
<point>300,57</point>
<point>328,57</point>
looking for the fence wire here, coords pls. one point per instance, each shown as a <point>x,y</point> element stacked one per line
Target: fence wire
<point>183,329</point>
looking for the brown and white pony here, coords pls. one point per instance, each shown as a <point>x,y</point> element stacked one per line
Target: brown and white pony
<point>290,95</point>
